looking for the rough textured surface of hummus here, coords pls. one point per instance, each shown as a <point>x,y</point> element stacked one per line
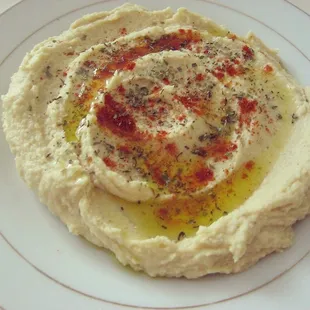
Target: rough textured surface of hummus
<point>165,138</point>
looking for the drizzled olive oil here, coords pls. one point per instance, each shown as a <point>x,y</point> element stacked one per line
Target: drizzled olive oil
<point>181,217</point>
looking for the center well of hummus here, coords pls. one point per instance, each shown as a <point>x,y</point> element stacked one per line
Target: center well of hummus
<point>175,122</point>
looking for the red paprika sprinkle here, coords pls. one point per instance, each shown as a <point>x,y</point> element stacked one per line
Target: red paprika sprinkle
<point>218,74</point>
<point>181,117</point>
<point>200,77</point>
<point>204,174</point>
<point>171,149</point>
<point>231,70</point>
<point>123,31</point>
<point>249,165</point>
<point>244,176</point>
<point>162,134</point>
<point>232,36</point>
<point>130,66</point>
<point>247,52</point>
<point>121,89</point>
<point>124,149</point>
<point>163,213</point>
<point>117,119</point>
<point>247,106</point>
<point>109,162</point>
<point>166,81</point>
<point>268,69</point>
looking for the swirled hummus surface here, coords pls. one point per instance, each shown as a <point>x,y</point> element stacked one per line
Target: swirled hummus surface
<point>164,138</point>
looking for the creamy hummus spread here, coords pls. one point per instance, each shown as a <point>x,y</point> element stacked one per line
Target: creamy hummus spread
<point>165,138</point>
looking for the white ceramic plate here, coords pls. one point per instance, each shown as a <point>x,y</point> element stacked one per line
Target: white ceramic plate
<point>42,266</point>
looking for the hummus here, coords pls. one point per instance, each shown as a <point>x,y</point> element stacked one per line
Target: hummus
<point>176,144</point>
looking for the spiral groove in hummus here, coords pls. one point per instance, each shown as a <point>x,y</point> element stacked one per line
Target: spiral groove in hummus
<point>165,138</point>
